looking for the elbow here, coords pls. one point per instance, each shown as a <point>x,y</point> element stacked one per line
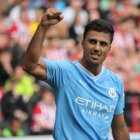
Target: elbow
<point>26,67</point>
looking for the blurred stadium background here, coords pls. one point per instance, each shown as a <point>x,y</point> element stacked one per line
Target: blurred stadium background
<point>22,97</point>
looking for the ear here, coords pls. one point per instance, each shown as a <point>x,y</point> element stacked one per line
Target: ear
<point>82,43</point>
<point>110,48</point>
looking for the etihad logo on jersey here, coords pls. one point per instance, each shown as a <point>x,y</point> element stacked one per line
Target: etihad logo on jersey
<point>94,105</point>
<point>112,92</point>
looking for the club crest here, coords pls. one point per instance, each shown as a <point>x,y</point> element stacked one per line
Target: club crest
<point>112,92</point>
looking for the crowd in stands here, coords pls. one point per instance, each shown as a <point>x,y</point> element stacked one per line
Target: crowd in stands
<point>27,104</point>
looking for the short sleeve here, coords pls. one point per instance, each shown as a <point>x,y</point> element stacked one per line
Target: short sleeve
<point>55,73</point>
<point>120,105</point>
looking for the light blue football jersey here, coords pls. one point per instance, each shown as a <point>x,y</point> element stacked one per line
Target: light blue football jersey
<point>85,103</point>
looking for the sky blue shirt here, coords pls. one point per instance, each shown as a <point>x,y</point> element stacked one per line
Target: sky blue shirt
<point>85,103</point>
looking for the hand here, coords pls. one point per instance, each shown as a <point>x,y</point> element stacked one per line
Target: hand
<point>22,116</point>
<point>51,17</point>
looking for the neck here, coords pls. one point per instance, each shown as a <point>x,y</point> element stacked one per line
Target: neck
<point>95,69</point>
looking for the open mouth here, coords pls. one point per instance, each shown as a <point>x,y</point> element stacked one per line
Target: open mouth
<point>95,56</point>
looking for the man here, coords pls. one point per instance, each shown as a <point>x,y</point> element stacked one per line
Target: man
<point>14,128</point>
<point>43,114</point>
<point>89,97</point>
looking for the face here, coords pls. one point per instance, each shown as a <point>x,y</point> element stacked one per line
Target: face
<point>15,126</point>
<point>96,46</point>
<point>48,98</point>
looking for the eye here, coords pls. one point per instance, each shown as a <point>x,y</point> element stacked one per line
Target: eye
<point>103,44</point>
<point>92,41</point>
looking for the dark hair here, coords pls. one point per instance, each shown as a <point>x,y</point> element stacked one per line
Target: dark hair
<point>100,25</point>
<point>45,89</point>
<point>13,118</point>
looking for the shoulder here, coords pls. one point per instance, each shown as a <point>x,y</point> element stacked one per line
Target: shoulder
<point>37,108</point>
<point>59,64</point>
<point>7,95</point>
<point>115,81</point>
<point>6,132</point>
<point>114,76</point>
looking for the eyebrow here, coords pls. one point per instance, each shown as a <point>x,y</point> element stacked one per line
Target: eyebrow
<point>103,42</point>
<point>93,39</point>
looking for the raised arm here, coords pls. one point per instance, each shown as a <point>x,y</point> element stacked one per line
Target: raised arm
<point>32,63</point>
<point>119,128</point>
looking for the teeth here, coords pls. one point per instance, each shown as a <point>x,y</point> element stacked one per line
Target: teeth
<point>94,54</point>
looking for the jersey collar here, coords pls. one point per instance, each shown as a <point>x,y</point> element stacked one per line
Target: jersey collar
<point>87,72</point>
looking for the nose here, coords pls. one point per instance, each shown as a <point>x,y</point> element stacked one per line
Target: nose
<point>97,47</point>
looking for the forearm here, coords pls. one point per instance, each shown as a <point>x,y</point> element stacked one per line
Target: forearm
<point>121,134</point>
<point>33,51</point>
<point>31,61</point>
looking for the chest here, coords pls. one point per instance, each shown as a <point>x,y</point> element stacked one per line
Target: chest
<point>92,95</point>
